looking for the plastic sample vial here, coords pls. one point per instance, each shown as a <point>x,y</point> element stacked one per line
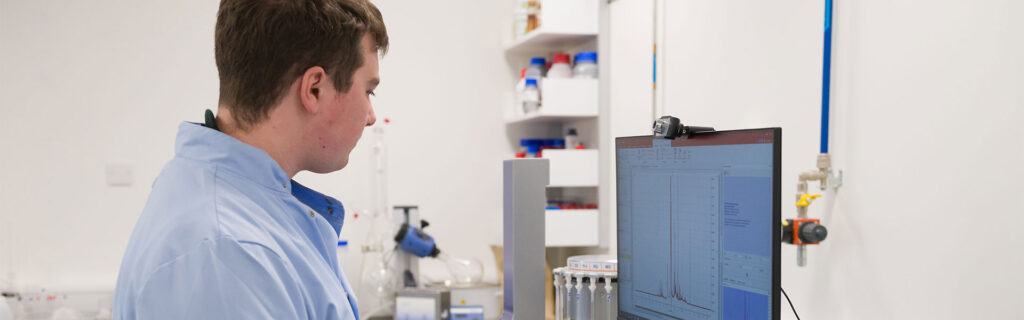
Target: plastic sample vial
<point>538,68</point>
<point>560,68</point>
<point>586,65</point>
<point>530,96</point>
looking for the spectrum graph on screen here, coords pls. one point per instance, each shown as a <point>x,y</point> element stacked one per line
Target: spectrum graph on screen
<point>685,282</point>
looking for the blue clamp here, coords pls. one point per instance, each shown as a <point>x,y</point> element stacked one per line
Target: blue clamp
<point>416,242</point>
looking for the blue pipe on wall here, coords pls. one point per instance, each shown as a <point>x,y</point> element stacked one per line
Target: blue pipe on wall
<point>825,76</point>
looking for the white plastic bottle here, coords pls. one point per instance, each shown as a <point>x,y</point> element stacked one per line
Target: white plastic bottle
<point>530,96</point>
<point>586,65</point>
<point>560,67</point>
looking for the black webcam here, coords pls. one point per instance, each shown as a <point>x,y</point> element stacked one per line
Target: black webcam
<point>669,127</point>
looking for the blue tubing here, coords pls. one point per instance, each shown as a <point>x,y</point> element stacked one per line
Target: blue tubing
<point>825,76</point>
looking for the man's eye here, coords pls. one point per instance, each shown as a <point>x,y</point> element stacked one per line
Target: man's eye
<point>370,93</point>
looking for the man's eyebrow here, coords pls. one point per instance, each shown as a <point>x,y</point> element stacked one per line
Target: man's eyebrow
<point>374,82</point>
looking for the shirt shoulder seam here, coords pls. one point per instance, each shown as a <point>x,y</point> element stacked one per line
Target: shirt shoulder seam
<point>228,171</point>
<point>235,174</point>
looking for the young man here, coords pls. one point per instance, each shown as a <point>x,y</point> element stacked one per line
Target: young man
<point>225,233</point>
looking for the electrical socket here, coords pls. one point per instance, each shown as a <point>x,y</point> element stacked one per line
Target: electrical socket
<point>119,174</point>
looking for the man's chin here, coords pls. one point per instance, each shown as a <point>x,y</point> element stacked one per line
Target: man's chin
<point>330,167</point>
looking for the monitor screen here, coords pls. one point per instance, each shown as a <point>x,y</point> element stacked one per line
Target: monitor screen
<point>699,225</point>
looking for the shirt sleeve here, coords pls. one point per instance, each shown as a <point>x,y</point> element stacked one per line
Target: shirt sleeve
<point>223,279</point>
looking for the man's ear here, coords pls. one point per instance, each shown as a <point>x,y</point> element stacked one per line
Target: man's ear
<point>312,84</point>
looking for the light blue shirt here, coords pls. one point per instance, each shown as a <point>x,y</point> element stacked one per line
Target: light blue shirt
<point>226,234</point>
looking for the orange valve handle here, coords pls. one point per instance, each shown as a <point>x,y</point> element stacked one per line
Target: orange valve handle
<point>802,232</point>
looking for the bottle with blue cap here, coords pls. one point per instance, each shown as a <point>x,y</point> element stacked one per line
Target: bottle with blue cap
<point>533,150</point>
<point>538,68</point>
<point>530,96</point>
<point>586,65</point>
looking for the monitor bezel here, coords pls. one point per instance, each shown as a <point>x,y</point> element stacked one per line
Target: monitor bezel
<point>776,207</point>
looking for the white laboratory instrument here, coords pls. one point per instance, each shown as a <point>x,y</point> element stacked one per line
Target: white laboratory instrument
<point>586,288</point>
<point>422,304</point>
<point>475,299</point>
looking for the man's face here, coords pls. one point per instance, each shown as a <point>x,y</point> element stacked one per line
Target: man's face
<point>343,115</point>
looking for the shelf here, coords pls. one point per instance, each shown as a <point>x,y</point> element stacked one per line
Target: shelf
<point>562,100</point>
<point>571,228</point>
<point>572,168</point>
<point>545,40</point>
<point>563,23</point>
<point>542,117</point>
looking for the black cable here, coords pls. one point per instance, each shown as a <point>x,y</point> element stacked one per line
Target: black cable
<point>790,303</point>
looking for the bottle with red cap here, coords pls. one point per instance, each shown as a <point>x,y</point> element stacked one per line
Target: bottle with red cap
<point>560,67</point>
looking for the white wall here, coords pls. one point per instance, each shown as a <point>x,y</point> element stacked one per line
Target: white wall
<point>928,97</point>
<point>628,57</point>
<point>84,84</point>
<point>89,83</point>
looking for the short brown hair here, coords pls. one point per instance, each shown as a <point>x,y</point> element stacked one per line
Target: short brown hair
<point>262,46</point>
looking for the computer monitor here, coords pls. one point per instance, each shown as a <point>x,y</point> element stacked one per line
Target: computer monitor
<point>699,225</point>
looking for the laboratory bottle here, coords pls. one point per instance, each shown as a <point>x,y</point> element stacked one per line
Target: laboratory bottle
<point>520,86</point>
<point>532,15</point>
<point>586,65</point>
<point>546,144</point>
<point>521,153</point>
<point>560,67</point>
<point>572,139</point>
<point>558,144</point>
<point>530,96</point>
<point>537,69</point>
<point>533,151</point>
<point>519,21</point>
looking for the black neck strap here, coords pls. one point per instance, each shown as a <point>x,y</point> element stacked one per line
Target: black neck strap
<point>211,120</point>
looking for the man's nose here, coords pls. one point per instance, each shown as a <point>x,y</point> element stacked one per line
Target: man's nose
<point>371,119</point>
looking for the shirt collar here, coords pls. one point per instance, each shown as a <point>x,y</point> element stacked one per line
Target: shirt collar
<point>330,208</point>
<point>201,143</point>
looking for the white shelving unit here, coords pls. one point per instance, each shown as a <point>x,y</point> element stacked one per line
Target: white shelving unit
<point>562,228</point>
<point>544,38</point>
<point>563,23</point>
<point>566,26</point>
<point>572,168</point>
<point>562,100</point>
<point>547,117</point>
